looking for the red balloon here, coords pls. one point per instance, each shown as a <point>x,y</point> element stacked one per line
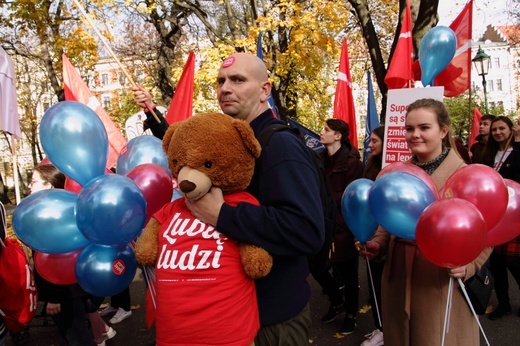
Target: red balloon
<point>507,228</point>
<point>45,161</point>
<point>483,187</point>
<point>412,169</point>
<point>73,186</point>
<point>155,183</point>
<point>58,268</point>
<point>451,232</point>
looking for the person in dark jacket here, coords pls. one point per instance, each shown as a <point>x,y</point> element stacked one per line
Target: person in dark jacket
<point>289,222</point>
<point>477,149</point>
<point>343,166</point>
<point>502,152</point>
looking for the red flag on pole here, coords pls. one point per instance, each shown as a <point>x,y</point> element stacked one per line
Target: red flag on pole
<point>456,77</point>
<point>400,72</point>
<point>77,90</point>
<point>475,127</point>
<point>343,99</point>
<point>9,120</point>
<point>182,101</point>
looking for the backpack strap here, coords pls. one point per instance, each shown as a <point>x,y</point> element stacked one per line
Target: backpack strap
<point>266,133</point>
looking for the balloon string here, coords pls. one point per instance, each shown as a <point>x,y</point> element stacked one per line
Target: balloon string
<point>448,312</point>
<point>147,274</point>
<point>463,288</point>
<point>374,292</point>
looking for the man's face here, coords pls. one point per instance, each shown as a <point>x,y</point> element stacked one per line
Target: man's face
<point>241,93</point>
<point>484,126</point>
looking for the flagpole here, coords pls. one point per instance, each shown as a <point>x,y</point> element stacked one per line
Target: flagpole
<point>111,52</point>
<point>470,115</point>
<point>15,170</point>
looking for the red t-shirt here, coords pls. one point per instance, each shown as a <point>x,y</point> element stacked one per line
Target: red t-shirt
<point>203,295</point>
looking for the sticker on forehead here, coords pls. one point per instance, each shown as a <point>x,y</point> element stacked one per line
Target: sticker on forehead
<point>228,62</point>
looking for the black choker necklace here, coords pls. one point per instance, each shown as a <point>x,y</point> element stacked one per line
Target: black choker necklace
<point>430,166</point>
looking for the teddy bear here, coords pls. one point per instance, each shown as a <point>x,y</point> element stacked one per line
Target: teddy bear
<point>204,289</point>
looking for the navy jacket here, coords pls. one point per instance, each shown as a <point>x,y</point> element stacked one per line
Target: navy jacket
<point>289,223</point>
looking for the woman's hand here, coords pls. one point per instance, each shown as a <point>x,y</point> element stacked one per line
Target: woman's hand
<point>458,273</point>
<point>370,250</point>
<point>516,132</point>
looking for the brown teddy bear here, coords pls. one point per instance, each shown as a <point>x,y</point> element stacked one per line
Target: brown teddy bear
<point>201,275</point>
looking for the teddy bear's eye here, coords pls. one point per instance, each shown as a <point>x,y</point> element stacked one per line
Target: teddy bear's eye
<point>175,162</point>
<point>208,164</point>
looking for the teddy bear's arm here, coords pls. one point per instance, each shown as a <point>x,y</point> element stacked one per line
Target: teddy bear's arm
<point>146,244</point>
<point>256,261</point>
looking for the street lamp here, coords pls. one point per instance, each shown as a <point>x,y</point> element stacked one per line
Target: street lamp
<point>482,62</point>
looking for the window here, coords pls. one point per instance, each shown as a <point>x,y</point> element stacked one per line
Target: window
<point>106,102</point>
<point>496,62</point>
<point>122,78</point>
<point>104,79</point>
<point>490,86</point>
<point>499,84</point>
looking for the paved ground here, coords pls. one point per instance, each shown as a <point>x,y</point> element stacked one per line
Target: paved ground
<point>133,331</point>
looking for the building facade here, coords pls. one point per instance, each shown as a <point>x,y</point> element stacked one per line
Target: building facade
<point>501,43</point>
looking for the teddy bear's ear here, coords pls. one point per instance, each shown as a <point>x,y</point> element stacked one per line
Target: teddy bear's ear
<point>248,137</point>
<point>168,136</point>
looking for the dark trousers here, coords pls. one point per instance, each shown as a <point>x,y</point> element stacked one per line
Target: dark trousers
<point>289,333</point>
<point>347,271</point>
<point>499,264</point>
<point>72,323</point>
<point>330,286</point>
<point>121,300</point>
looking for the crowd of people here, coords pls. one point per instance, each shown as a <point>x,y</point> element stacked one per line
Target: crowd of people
<point>408,293</point>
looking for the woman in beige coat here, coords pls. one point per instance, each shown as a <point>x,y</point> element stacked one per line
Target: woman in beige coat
<point>414,290</point>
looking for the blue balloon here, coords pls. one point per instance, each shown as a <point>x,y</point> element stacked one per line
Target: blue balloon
<point>105,270</point>
<point>46,222</point>
<point>437,49</point>
<point>111,210</point>
<point>139,150</point>
<point>356,209</point>
<point>75,140</point>
<point>397,199</point>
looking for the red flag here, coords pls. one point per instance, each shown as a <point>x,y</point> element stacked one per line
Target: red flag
<point>343,99</point>
<point>77,90</point>
<point>9,120</point>
<point>456,77</point>
<point>182,101</point>
<point>400,73</point>
<point>475,127</point>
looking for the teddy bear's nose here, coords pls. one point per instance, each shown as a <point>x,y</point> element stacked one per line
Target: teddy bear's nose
<point>187,186</point>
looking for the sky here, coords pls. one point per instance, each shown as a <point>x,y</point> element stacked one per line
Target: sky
<point>484,12</point>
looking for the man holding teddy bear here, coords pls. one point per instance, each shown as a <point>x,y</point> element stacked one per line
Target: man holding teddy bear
<point>289,221</point>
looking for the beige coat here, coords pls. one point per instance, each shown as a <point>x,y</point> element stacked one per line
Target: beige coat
<point>414,291</point>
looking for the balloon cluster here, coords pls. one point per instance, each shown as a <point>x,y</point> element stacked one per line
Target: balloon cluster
<point>83,233</point>
<point>451,227</point>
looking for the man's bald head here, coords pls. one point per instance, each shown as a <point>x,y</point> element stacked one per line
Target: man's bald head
<point>253,63</point>
<point>243,86</point>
